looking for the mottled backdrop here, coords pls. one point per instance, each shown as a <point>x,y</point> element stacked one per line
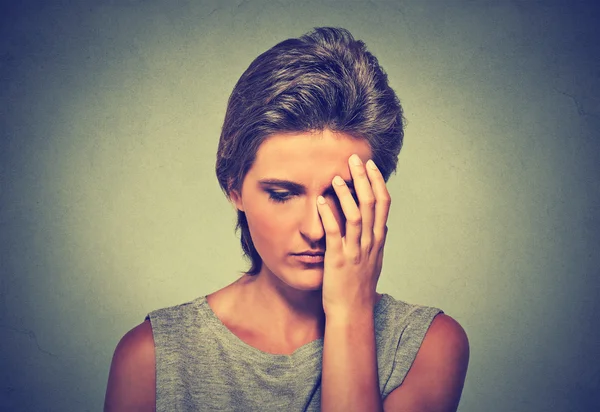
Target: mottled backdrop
<point>110,115</point>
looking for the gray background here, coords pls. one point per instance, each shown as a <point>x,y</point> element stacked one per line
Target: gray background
<point>110,208</point>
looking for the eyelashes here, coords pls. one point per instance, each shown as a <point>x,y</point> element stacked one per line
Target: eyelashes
<point>280,196</point>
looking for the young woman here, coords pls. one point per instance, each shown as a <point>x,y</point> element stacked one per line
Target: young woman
<point>311,135</point>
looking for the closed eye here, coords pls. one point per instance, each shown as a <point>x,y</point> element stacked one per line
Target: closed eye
<point>294,189</point>
<point>279,196</point>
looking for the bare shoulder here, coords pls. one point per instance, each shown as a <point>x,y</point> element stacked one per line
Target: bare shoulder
<point>437,375</point>
<point>445,337</point>
<point>131,381</point>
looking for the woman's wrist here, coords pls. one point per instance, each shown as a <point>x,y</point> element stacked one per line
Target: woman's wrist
<point>340,316</point>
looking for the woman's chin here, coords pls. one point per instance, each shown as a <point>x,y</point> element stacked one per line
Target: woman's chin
<point>307,279</point>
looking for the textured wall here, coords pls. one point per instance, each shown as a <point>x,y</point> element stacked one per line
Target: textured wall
<point>110,114</point>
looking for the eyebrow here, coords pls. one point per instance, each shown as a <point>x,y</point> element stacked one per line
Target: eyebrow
<point>295,187</point>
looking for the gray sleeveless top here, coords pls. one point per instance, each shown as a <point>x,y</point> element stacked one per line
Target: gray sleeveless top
<point>202,366</point>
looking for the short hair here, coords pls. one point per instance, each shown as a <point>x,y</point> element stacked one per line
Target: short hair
<point>324,79</point>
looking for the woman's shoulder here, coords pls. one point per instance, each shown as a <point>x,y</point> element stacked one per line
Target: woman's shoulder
<point>427,324</point>
<point>131,382</point>
<point>429,349</point>
<point>178,310</point>
<point>132,377</point>
<point>135,351</point>
<point>396,313</point>
<point>138,341</point>
<point>437,374</point>
<point>431,318</point>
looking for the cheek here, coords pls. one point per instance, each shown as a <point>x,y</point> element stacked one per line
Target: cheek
<point>272,224</point>
<point>268,225</point>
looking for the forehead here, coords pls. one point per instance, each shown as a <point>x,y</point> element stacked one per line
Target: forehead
<point>302,154</point>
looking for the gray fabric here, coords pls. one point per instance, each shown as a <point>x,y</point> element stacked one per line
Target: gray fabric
<point>202,366</point>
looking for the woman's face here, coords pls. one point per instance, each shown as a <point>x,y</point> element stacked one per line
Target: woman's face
<point>279,197</point>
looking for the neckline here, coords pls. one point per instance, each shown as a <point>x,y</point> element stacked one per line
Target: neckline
<point>241,348</point>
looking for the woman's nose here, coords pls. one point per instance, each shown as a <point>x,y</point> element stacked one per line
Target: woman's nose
<point>310,222</point>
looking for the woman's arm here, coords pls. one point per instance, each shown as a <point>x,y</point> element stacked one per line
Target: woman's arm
<point>349,380</point>
<point>435,380</point>
<point>352,265</point>
<point>433,384</point>
<point>132,381</point>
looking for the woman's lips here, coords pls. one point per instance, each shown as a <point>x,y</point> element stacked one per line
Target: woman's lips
<point>309,258</point>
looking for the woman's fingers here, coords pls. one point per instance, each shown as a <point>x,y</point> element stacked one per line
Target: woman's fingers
<point>382,202</point>
<point>365,221</point>
<point>333,237</point>
<point>352,215</point>
<point>366,200</point>
<point>380,251</point>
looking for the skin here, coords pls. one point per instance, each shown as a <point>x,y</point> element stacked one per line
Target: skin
<point>289,303</point>
<point>286,294</point>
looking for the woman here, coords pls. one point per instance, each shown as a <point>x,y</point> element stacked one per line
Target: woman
<point>311,134</point>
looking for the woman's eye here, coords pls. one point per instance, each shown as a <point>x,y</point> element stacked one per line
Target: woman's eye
<point>278,196</point>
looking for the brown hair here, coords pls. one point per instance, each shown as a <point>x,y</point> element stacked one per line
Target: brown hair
<point>323,80</point>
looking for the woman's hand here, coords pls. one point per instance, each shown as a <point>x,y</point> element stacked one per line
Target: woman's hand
<point>353,262</point>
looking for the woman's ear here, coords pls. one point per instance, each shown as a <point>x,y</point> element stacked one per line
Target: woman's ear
<point>236,199</point>
<point>235,195</point>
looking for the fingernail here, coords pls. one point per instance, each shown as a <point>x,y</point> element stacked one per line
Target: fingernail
<point>321,200</point>
<point>355,160</point>
<point>338,181</point>
<point>371,164</point>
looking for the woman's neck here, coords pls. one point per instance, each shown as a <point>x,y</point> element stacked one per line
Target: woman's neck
<point>285,314</point>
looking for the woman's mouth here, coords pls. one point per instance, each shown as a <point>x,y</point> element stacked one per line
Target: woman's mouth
<point>309,258</point>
